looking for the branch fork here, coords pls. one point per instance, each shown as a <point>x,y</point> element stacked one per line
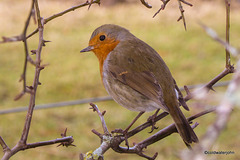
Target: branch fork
<point>114,141</point>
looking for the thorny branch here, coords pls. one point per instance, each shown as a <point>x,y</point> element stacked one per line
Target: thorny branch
<point>227,46</point>
<point>114,141</point>
<point>10,152</point>
<point>34,87</point>
<point>146,4</point>
<point>100,114</point>
<point>108,140</point>
<point>165,2</point>
<point>209,85</point>
<point>224,110</point>
<point>4,145</point>
<point>45,21</point>
<point>182,15</point>
<point>23,38</point>
<point>228,49</point>
<point>228,58</point>
<point>22,144</point>
<point>87,3</point>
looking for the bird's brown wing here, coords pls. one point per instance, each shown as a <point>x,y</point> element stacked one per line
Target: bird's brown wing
<point>143,82</point>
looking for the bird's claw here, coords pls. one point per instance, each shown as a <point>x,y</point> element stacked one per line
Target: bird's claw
<point>151,119</point>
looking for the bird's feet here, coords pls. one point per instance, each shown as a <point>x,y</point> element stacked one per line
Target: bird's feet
<point>124,132</point>
<point>151,119</point>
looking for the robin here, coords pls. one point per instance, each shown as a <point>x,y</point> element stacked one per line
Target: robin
<point>135,75</point>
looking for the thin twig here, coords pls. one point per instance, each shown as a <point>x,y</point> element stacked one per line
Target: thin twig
<point>146,124</point>
<point>211,83</point>
<point>36,78</point>
<point>4,145</point>
<point>215,36</point>
<point>89,100</point>
<point>228,58</point>
<point>187,3</point>
<point>22,144</point>
<point>170,129</point>
<point>24,34</point>
<point>101,114</point>
<point>180,97</point>
<point>229,68</point>
<point>66,143</point>
<point>223,112</point>
<point>19,147</point>
<point>11,39</point>
<point>146,4</point>
<point>22,38</point>
<point>163,133</point>
<point>182,17</point>
<point>62,13</point>
<point>182,14</point>
<point>115,141</point>
<point>63,140</point>
<point>106,138</point>
<point>165,2</point>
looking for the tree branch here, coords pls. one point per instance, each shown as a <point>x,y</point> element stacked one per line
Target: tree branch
<point>100,114</point>
<point>64,12</point>
<point>210,84</point>
<point>165,2</point>
<point>110,141</point>
<point>215,36</point>
<point>22,144</point>
<point>23,36</point>
<point>4,145</point>
<point>10,152</point>
<point>228,58</point>
<point>223,112</point>
<point>229,49</point>
<point>146,4</point>
<point>182,14</point>
<point>65,140</point>
<point>36,77</point>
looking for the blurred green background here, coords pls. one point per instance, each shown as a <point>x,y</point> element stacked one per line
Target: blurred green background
<point>192,57</point>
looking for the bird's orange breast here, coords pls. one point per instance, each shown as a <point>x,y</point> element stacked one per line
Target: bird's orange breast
<point>102,48</point>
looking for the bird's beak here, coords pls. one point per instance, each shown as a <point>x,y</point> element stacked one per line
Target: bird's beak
<point>89,48</point>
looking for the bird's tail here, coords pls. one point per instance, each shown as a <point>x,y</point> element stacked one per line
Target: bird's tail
<point>183,127</point>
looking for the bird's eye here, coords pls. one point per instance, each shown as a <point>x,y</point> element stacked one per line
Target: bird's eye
<point>102,37</point>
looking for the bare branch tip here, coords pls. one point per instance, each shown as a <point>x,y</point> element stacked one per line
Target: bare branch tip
<point>157,12</point>
<point>195,125</point>
<point>64,134</point>
<point>146,4</point>
<point>187,91</point>
<point>4,145</point>
<point>66,143</point>
<point>147,157</point>
<point>187,3</point>
<point>97,133</point>
<point>94,108</point>
<point>103,113</point>
<point>17,97</point>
